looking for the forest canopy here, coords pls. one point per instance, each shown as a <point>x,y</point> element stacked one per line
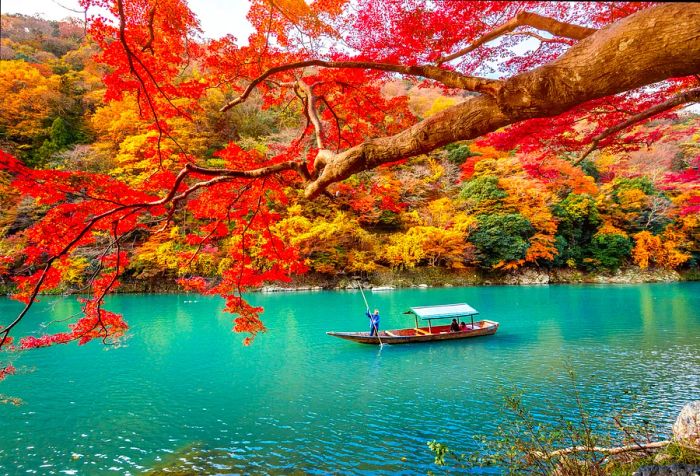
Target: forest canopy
<point>343,138</point>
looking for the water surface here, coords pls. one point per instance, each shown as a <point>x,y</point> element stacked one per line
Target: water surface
<point>183,393</point>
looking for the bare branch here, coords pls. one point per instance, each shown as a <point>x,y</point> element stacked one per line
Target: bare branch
<point>151,36</point>
<point>540,38</point>
<point>446,77</point>
<point>555,27</point>
<point>598,449</point>
<point>692,95</point>
<point>311,111</point>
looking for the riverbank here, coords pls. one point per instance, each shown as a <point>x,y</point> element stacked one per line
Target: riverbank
<point>440,277</point>
<point>426,277</point>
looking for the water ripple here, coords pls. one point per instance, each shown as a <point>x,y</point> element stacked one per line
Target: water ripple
<point>185,396</point>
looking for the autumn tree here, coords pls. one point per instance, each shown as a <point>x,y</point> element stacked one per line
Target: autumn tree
<point>588,73</point>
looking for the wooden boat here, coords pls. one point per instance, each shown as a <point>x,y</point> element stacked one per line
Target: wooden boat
<point>430,332</point>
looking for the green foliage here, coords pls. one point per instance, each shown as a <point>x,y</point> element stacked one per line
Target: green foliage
<point>501,237</point>
<point>43,154</point>
<point>626,184</point>
<point>458,154</point>
<point>591,170</point>
<point>59,133</point>
<point>610,250</point>
<point>440,450</point>
<point>578,222</point>
<point>672,454</point>
<point>482,191</point>
<point>388,220</point>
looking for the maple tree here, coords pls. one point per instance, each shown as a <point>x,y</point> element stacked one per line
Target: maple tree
<point>585,77</point>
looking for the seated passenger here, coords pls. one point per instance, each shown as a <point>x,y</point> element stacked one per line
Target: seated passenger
<point>462,326</point>
<point>454,327</point>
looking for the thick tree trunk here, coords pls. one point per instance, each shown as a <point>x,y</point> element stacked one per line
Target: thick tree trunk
<point>644,48</point>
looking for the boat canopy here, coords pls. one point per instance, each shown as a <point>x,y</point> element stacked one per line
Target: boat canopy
<point>445,311</point>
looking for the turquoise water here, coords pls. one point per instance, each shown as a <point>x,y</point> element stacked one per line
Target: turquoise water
<point>183,393</point>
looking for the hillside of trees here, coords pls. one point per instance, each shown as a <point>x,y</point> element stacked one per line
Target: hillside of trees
<point>476,205</point>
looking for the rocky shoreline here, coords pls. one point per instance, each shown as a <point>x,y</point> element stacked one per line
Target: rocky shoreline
<point>427,278</point>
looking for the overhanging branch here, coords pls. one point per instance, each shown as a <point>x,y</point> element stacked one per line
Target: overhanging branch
<point>593,68</point>
<point>550,25</point>
<point>219,176</point>
<point>448,78</point>
<point>692,95</point>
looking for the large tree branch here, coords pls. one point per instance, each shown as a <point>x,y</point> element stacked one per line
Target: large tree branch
<point>555,27</point>
<point>644,48</point>
<point>692,95</point>
<point>448,78</point>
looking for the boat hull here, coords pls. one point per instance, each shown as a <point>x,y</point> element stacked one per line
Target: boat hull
<point>422,334</point>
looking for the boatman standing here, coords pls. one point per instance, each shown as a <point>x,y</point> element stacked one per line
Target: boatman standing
<point>373,322</point>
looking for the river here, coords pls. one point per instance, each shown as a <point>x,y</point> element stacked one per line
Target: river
<point>182,392</point>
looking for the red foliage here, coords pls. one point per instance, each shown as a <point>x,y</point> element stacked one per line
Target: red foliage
<point>9,369</point>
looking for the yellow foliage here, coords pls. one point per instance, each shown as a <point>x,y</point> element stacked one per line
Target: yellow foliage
<point>411,218</point>
<point>436,171</point>
<point>405,250</point>
<point>661,250</point>
<point>632,199</point>
<point>361,262</point>
<point>132,164</point>
<point>441,212</point>
<point>329,246</point>
<point>157,255</point>
<point>435,245</point>
<point>117,120</point>
<point>464,223</point>
<point>73,270</point>
<point>295,210</point>
<point>440,104</point>
<point>609,229</point>
<point>605,161</point>
<point>26,98</point>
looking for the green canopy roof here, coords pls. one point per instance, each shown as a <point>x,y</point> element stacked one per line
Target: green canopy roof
<point>444,311</point>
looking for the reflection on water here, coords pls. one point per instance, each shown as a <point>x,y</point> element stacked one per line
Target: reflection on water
<point>184,395</point>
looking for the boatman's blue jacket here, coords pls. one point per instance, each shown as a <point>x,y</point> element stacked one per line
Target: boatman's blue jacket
<point>373,321</point>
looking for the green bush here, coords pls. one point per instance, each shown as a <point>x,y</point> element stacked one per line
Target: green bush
<point>458,155</point>
<point>578,222</point>
<point>501,237</point>
<point>481,190</point>
<point>610,250</point>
